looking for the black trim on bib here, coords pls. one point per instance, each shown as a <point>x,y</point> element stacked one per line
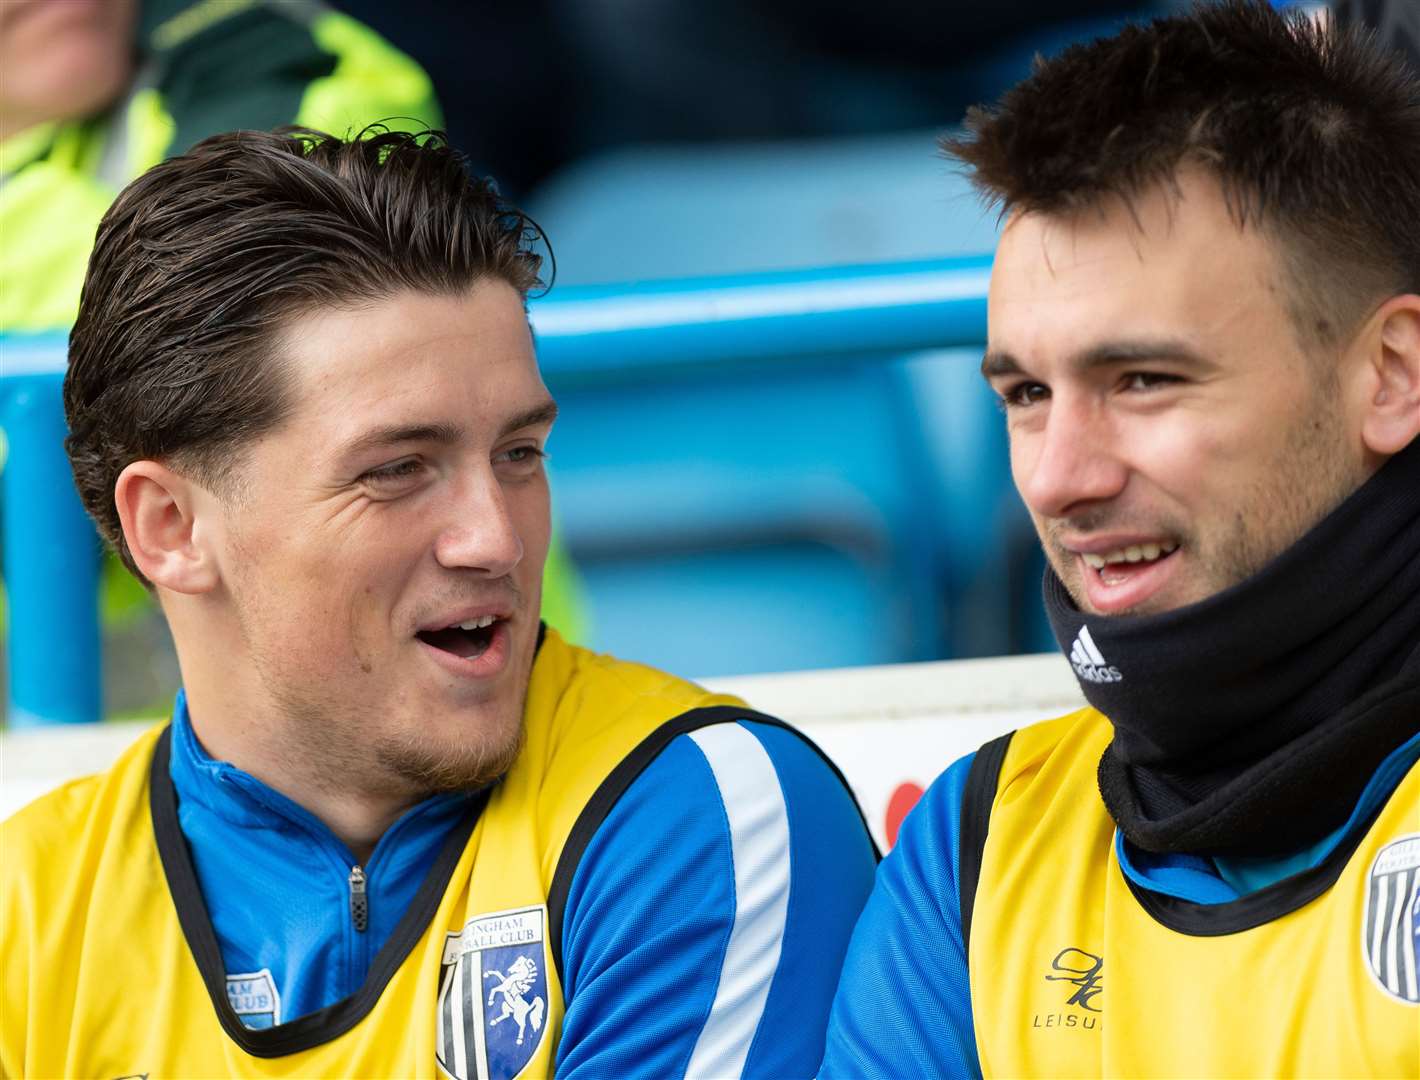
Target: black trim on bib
<point>1258,908</point>
<point>324,1024</point>
<point>620,778</point>
<point>977,798</point>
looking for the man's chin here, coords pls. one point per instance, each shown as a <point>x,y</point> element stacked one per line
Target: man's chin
<point>433,764</point>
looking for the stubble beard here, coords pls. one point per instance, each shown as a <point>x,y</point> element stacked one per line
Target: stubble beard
<point>422,765</point>
<point>1309,477</point>
<point>340,750</point>
<point>337,746</point>
<point>331,742</point>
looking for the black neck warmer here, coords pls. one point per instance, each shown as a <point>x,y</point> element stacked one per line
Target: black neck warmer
<point>1248,723</point>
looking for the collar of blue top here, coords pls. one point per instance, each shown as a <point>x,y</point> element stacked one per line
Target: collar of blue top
<point>193,915</point>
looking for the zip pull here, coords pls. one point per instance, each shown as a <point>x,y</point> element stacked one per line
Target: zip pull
<point>359,902</point>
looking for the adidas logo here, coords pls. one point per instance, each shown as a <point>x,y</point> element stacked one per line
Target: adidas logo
<point>1089,663</point>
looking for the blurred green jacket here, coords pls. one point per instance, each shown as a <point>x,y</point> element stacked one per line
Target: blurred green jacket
<point>201,68</point>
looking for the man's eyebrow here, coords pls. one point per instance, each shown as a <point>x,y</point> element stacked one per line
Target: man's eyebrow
<point>1109,353</point>
<point>392,434</point>
<point>443,433</point>
<point>998,362</point>
<point>544,413</point>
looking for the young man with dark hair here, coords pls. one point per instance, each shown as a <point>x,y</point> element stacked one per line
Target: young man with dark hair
<point>396,827</point>
<point>1204,327</point>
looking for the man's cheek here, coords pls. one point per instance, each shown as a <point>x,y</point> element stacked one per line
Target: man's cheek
<point>1024,455</point>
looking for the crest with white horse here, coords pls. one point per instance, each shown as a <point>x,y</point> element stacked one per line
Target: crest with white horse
<point>492,1005</point>
<point>514,987</point>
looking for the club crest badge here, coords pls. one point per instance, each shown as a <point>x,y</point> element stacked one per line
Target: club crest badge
<point>492,1012</point>
<point>1390,927</point>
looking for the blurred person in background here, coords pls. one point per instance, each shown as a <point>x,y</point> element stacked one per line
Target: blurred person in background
<point>92,93</point>
<point>1204,328</point>
<point>397,824</point>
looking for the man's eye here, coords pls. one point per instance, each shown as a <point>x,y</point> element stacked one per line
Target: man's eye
<point>521,457</point>
<point>1148,380</point>
<point>1023,394</point>
<point>393,472</point>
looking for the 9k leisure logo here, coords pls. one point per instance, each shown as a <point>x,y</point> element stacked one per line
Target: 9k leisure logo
<point>1081,970</point>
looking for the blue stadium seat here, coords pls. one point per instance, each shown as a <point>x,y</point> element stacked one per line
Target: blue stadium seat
<point>758,518</point>
<point>738,522</point>
<point>664,212</point>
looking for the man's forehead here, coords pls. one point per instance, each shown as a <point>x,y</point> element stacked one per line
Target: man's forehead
<point>414,367</point>
<point>1178,271</point>
<point>1182,231</point>
<point>381,336</point>
<point>1185,210</point>
<point>408,341</point>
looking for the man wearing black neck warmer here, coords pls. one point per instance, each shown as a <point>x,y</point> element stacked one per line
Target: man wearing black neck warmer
<point>1204,328</point>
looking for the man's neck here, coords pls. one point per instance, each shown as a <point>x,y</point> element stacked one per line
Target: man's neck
<point>237,720</point>
<point>357,811</point>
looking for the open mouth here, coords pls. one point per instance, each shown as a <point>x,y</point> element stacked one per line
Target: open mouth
<point>467,641</point>
<point>1119,581</point>
<point>1117,567</point>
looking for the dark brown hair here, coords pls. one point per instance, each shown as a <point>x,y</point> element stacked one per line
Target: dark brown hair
<point>1313,134</point>
<point>202,261</point>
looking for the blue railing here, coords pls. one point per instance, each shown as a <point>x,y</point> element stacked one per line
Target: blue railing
<point>586,335</point>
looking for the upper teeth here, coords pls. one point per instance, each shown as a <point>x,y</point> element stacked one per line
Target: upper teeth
<point>478,623</point>
<point>1132,553</point>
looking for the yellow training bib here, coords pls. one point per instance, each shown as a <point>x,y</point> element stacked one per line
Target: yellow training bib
<point>111,968</point>
<point>1076,972</point>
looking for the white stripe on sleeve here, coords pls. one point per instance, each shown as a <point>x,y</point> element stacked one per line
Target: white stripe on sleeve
<point>759,846</point>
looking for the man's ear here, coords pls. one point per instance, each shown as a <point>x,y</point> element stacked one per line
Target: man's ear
<point>1391,420</point>
<point>159,511</point>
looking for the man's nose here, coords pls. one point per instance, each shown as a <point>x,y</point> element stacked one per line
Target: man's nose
<point>480,534</point>
<point>1069,463</point>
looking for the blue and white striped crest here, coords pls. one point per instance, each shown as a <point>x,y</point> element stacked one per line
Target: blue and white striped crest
<point>492,1009</point>
<point>1390,927</point>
